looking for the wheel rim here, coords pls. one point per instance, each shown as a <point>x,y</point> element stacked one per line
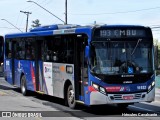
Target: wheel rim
<point>71,96</point>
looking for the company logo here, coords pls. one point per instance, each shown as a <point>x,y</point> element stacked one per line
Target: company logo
<point>127,82</point>
<point>125,89</point>
<point>47,70</point>
<point>127,75</point>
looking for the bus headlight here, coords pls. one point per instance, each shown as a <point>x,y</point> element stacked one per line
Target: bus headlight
<point>150,87</point>
<point>1,63</point>
<point>95,86</point>
<point>99,88</point>
<point>102,90</point>
<point>153,83</point>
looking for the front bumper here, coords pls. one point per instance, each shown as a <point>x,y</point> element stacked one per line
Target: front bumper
<point>97,98</point>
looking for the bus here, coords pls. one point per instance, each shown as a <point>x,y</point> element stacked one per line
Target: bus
<point>1,55</point>
<point>91,65</point>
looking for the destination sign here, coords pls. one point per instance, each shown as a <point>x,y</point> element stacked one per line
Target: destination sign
<point>118,33</point>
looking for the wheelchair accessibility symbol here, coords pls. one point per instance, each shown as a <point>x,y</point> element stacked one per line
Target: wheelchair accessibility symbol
<point>130,70</point>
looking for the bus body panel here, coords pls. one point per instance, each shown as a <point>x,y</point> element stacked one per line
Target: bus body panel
<point>54,77</point>
<point>8,71</point>
<point>48,77</point>
<point>17,71</point>
<point>27,68</point>
<point>60,75</point>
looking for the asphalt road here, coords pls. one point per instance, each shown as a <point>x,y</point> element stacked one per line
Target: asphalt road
<point>49,107</point>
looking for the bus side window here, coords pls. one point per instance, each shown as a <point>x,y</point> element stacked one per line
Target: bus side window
<point>20,49</point>
<point>30,50</point>
<point>8,49</point>
<point>9,54</point>
<point>49,56</point>
<point>69,56</point>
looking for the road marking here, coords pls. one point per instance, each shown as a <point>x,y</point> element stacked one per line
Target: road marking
<point>144,109</point>
<point>2,93</point>
<point>38,118</point>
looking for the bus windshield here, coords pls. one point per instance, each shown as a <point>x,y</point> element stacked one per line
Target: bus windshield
<point>121,57</point>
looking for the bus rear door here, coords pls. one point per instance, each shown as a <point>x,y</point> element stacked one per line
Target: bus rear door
<point>1,55</point>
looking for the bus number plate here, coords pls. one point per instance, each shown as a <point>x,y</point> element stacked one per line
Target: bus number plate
<point>128,97</point>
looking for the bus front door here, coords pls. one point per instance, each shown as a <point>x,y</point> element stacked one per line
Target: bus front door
<point>39,66</point>
<point>80,69</point>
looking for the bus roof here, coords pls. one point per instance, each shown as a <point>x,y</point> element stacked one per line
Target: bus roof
<point>65,29</point>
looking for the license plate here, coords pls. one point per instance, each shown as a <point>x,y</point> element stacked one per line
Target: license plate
<point>128,97</point>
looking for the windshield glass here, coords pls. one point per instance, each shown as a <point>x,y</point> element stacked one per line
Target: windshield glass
<point>121,57</point>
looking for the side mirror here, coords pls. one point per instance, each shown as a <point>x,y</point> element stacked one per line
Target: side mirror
<point>86,51</point>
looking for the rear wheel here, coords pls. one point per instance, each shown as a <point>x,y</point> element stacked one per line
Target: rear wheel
<point>23,86</point>
<point>71,97</point>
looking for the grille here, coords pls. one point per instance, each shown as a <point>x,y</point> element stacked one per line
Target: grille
<point>120,96</point>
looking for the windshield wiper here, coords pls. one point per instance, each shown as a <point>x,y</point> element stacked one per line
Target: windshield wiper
<point>139,40</point>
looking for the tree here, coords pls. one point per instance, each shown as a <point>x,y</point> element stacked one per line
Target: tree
<point>156,53</point>
<point>36,23</point>
<point>155,41</point>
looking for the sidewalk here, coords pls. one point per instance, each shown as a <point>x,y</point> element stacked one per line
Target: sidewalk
<point>157,94</point>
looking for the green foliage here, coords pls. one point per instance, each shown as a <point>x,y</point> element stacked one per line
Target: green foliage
<point>36,23</point>
<point>155,42</point>
<point>157,54</point>
<point>157,72</point>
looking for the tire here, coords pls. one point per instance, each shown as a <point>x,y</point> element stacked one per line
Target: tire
<point>71,97</point>
<point>23,86</point>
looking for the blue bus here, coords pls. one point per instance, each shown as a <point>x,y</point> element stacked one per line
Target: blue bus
<point>1,55</point>
<point>92,65</point>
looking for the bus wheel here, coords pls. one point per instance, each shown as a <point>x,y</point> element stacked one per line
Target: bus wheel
<point>70,97</point>
<point>23,85</point>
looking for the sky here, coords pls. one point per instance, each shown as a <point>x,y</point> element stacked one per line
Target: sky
<point>81,12</point>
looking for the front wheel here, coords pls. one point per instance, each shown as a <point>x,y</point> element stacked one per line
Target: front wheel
<point>71,97</point>
<point>23,86</point>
